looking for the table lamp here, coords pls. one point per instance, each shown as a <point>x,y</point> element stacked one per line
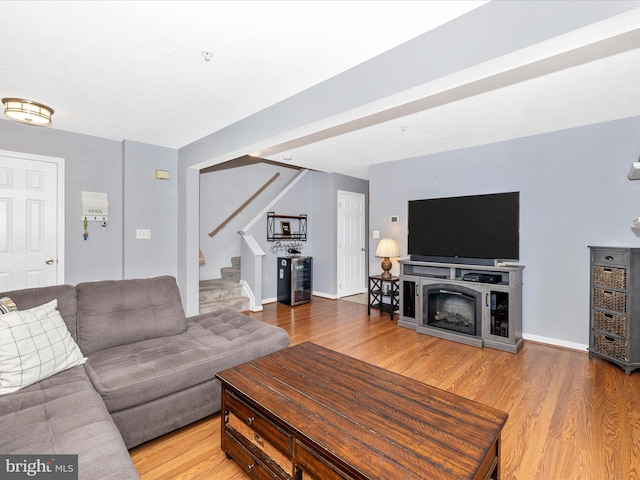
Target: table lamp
<point>387,248</point>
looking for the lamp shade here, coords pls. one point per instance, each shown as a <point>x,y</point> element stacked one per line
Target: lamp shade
<point>26,111</point>
<point>387,248</point>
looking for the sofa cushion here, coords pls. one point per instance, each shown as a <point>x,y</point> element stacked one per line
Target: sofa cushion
<point>34,344</point>
<point>64,415</point>
<point>120,312</point>
<point>64,294</point>
<point>130,375</point>
<point>239,337</point>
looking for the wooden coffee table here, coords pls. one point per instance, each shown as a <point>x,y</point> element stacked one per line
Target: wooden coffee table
<point>311,413</point>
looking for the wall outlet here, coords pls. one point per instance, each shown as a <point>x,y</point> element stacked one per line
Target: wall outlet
<point>143,234</point>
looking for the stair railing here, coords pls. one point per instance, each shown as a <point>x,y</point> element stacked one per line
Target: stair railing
<point>270,205</point>
<point>245,204</point>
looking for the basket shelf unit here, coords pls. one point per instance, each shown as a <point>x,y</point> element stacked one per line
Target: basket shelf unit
<point>615,306</point>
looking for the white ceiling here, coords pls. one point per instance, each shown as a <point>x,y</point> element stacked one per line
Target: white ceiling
<point>134,70</point>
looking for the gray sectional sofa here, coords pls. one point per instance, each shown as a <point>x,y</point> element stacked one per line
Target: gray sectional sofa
<point>148,371</point>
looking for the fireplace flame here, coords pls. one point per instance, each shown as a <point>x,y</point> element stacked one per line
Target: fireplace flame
<point>452,317</point>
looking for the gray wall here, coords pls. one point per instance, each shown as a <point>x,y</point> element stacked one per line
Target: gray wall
<point>222,192</point>
<point>297,201</point>
<point>151,204</point>
<point>315,195</point>
<point>91,164</point>
<point>574,192</point>
<point>124,170</point>
<point>325,226</point>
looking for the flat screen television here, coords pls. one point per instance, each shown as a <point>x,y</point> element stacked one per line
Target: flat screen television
<point>475,229</point>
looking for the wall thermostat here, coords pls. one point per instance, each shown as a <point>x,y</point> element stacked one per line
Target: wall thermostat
<point>394,218</point>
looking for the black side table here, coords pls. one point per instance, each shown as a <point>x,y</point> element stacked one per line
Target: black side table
<point>381,289</point>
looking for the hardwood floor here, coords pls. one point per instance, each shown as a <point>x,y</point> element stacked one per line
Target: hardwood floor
<point>569,417</point>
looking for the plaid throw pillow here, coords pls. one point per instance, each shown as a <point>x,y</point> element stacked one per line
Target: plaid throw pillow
<point>7,305</point>
<point>34,344</point>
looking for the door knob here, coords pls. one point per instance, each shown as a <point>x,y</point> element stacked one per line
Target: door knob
<point>362,249</point>
<point>49,261</point>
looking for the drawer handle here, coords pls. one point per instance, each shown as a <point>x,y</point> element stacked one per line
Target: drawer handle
<point>608,257</point>
<point>258,440</point>
<point>608,315</point>
<point>609,339</point>
<point>250,467</point>
<point>250,420</point>
<point>607,270</point>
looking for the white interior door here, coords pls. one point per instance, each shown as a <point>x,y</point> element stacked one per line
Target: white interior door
<point>31,220</point>
<point>351,244</point>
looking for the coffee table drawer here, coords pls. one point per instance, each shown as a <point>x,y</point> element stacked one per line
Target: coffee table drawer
<point>315,467</point>
<point>274,454</point>
<point>247,461</point>
<point>258,424</point>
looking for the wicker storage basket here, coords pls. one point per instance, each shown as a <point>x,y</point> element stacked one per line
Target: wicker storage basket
<point>274,454</point>
<point>616,324</point>
<point>616,301</point>
<point>613,347</point>
<point>610,277</point>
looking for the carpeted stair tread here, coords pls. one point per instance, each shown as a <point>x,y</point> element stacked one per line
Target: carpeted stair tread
<point>240,304</point>
<point>225,292</point>
<point>211,290</point>
<point>230,273</point>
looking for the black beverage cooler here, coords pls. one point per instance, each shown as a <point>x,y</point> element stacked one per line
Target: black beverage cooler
<point>295,280</point>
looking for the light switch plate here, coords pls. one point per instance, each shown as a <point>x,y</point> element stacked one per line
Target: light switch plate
<point>162,174</point>
<point>143,234</point>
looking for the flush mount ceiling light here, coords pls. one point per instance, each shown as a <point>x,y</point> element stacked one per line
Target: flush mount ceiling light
<point>27,111</point>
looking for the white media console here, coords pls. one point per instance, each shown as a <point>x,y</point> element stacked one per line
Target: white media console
<point>473,304</point>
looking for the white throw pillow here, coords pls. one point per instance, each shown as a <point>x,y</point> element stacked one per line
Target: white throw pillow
<point>7,305</point>
<point>34,344</point>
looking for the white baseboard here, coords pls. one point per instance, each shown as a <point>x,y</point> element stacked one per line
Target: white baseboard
<point>315,294</point>
<point>555,342</point>
<point>247,292</point>
<point>325,295</point>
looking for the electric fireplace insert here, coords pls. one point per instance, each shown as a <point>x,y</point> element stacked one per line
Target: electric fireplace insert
<point>452,307</point>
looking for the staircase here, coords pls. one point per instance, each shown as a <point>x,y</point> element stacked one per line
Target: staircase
<point>224,292</point>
